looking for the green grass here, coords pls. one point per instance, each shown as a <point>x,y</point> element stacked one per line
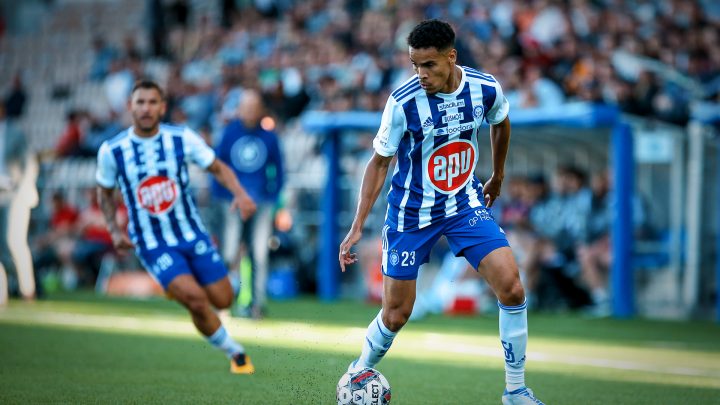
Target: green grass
<point>83,349</point>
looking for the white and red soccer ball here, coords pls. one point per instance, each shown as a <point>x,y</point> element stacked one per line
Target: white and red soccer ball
<point>363,387</point>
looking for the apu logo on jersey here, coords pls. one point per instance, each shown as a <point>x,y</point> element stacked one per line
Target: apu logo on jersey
<point>451,165</point>
<point>157,194</point>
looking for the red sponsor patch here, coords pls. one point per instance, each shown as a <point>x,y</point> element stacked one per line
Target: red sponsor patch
<point>451,165</point>
<point>157,194</point>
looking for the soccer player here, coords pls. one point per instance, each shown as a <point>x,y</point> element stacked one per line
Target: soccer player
<point>432,122</point>
<point>150,161</point>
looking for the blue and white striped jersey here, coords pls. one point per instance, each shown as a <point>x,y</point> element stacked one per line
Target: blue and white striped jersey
<point>153,177</point>
<point>435,138</point>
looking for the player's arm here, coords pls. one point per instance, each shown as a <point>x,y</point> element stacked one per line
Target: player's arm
<point>497,117</point>
<point>225,176</point>
<point>372,183</point>
<point>392,128</point>
<point>500,143</point>
<point>105,176</point>
<point>106,199</point>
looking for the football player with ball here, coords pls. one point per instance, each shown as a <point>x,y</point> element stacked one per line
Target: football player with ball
<point>432,124</point>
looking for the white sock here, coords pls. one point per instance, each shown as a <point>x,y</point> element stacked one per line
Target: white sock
<point>221,339</point>
<point>377,342</point>
<point>513,336</point>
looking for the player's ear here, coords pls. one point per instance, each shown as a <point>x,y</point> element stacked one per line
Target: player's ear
<point>452,55</point>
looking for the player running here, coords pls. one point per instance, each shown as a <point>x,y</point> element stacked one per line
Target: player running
<point>432,122</point>
<point>150,163</point>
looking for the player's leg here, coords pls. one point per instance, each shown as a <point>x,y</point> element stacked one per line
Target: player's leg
<point>211,276</point>
<point>501,273</point>
<point>403,253</point>
<point>478,237</point>
<point>186,290</point>
<point>398,299</point>
<point>261,232</point>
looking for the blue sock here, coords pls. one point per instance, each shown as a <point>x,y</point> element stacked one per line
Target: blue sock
<point>221,339</point>
<point>377,342</point>
<point>514,335</point>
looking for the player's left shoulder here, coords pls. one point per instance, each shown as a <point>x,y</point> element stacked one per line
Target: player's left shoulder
<point>476,75</point>
<point>172,129</point>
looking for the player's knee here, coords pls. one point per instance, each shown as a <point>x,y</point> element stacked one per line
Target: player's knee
<point>223,301</point>
<point>513,295</point>
<point>395,319</point>
<point>197,304</point>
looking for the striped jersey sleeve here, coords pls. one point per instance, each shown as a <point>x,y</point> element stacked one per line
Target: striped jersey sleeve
<point>499,111</point>
<point>392,128</point>
<point>197,150</point>
<point>106,172</point>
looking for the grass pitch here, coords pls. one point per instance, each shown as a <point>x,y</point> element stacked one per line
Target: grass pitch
<point>85,349</point>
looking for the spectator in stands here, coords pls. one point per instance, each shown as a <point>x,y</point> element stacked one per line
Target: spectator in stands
<point>593,252</point>
<point>252,150</point>
<point>55,246</point>
<point>18,173</point>
<point>103,56</point>
<point>558,221</point>
<point>93,239</point>
<point>100,129</point>
<point>69,143</point>
<point>15,99</point>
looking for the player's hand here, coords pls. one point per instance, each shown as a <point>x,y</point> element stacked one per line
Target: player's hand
<point>121,241</point>
<point>491,190</point>
<point>345,257</point>
<point>245,205</point>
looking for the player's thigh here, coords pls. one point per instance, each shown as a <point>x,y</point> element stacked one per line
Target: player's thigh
<point>501,273</point>
<point>186,290</point>
<point>474,234</point>
<point>398,294</point>
<point>220,293</point>
<point>210,271</point>
<point>164,265</point>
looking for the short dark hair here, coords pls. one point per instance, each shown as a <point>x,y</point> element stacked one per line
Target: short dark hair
<point>148,84</point>
<point>432,34</point>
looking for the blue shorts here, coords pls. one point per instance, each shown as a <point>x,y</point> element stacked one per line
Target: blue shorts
<point>472,234</point>
<point>198,258</point>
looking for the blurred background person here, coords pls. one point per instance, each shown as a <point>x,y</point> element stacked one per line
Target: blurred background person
<point>18,173</point>
<point>252,149</point>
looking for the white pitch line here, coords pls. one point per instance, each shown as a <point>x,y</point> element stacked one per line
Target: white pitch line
<point>296,334</point>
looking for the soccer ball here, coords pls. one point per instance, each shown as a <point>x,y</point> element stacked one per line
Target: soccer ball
<point>363,387</point>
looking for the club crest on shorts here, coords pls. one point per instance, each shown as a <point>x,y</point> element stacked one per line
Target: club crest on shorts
<point>394,257</point>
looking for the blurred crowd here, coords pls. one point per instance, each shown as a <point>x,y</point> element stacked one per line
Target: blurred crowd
<point>650,58</point>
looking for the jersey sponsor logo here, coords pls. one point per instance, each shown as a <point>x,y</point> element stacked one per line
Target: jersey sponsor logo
<point>480,215</point>
<point>157,194</point>
<point>451,104</point>
<point>449,131</point>
<point>428,123</point>
<point>451,166</point>
<point>453,117</point>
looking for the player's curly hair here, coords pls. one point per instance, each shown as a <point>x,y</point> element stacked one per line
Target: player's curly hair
<point>432,34</point>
